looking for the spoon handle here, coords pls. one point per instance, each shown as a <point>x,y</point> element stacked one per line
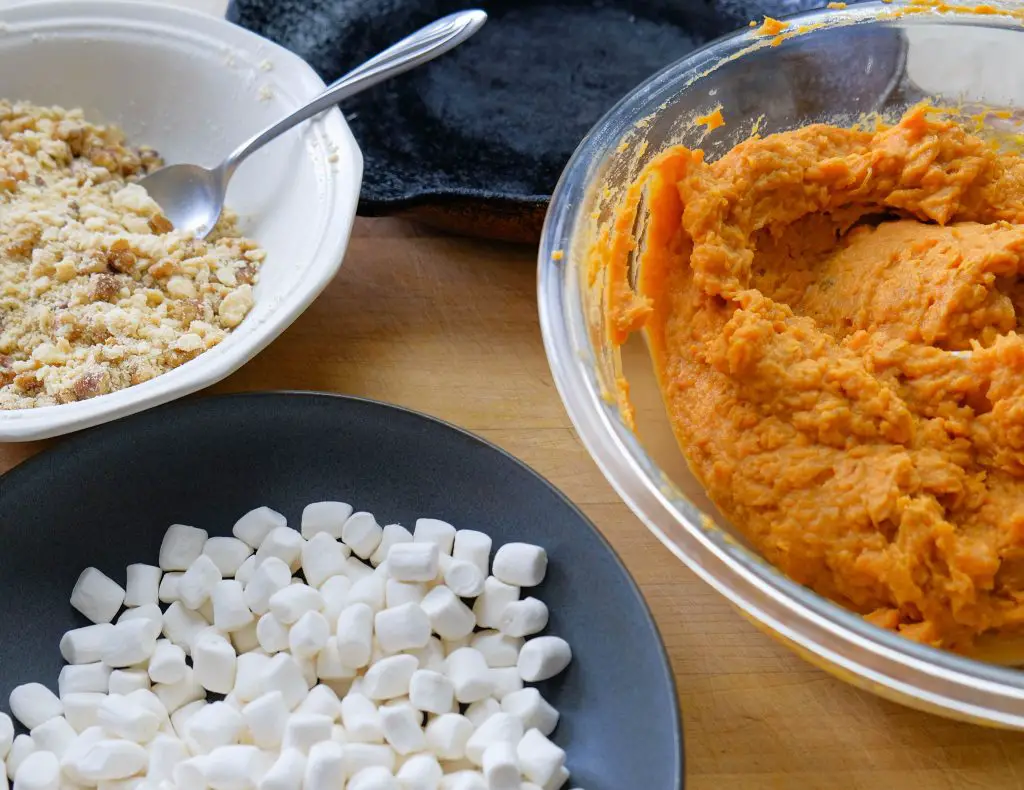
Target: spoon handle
<point>422,46</point>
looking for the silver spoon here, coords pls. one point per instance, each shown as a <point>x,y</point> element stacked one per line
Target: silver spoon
<point>192,197</point>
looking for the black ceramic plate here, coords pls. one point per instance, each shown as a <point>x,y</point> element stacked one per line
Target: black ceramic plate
<point>476,140</point>
<point>105,497</point>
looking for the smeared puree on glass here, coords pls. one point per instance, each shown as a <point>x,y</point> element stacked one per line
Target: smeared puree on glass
<point>802,297</point>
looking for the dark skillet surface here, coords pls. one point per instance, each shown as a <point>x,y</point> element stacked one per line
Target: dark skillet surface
<point>484,132</point>
<point>104,497</point>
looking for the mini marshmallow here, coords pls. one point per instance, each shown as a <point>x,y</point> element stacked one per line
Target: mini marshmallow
<point>128,720</point>
<point>397,593</point>
<point>323,701</point>
<point>465,579</point>
<point>182,626</point>
<point>501,766</point>
<point>361,719</point>
<point>246,570</point>
<point>505,681</point>
<point>327,518</point>
<point>165,752</point>
<point>110,759</point>
<point>39,771</point>
<point>420,772</point>
<point>149,611</point>
<point>81,709</point>
<point>308,668</point>
<point>432,656</point>
<point>473,547</point>
<point>449,617</point>
<point>295,600</point>
<point>329,665</point>
<point>520,564</point>
<point>131,642</point>
<point>432,530</point>
<point>176,695</point>
<point>6,735</point>
<point>233,767</point>
<point>167,664</point>
<point>464,780</point>
<point>355,635</point>
<point>543,658</point>
<point>447,735</point>
<point>229,610</point>
<point>227,554</point>
<point>414,562</point>
<point>212,726</point>
<point>249,670</point>
<point>532,710</point>
<point>373,778</point>
<point>97,596</point>
<point>481,711</point>
<point>214,662</point>
<point>265,719</point>
<point>190,772</point>
<point>197,583</point>
<point>21,748</point>
<point>286,773</point>
<point>55,735</point>
<point>524,618</point>
<point>389,677</point>
<point>391,535</point>
<point>270,576</point>
<point>431,692</point>
<point>77,679</point>
<point>500,650</point>
<point>500,728</point>
<point>285,544</point>
<point>369,590</point>
<point>325,766</point>
<point>253,528</point>
<point>335,592</point>
<point>151,702</point>
<point>181,546</point>
<point>401,724</point>
<point>322,558</point>
<point>125,681</point>
<point>272,635</point>
<point>491,603</point>
<point>284,674</point>
<point>302,730</point>
<point>33,704</point>
<point>183,715</point>
<point>539,759</point>
<point>142,584</point>
<point>356,569</point>
<point>403,627</point>
<point>469,674</point>
<point>170,585</point>
<point>309,635</point>
<point>245,639</point>
<point>362,534</point>
<point>85,645</point>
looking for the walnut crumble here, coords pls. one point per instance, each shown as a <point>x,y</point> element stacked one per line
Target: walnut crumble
<point>97,290</point>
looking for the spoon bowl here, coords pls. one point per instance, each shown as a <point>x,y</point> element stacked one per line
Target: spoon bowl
<point>190,196</point>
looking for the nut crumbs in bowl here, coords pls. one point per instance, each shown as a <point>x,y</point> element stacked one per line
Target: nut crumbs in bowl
<point>97,290</point>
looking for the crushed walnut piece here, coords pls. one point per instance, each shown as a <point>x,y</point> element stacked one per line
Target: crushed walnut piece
<point>97,290</point>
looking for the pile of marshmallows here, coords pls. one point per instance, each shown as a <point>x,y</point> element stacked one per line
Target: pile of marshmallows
<point>367,672</point>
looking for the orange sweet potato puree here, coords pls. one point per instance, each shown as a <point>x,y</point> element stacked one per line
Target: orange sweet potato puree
<point>801,297</point>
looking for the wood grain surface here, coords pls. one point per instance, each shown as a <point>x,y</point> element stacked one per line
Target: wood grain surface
<point>449,327</point>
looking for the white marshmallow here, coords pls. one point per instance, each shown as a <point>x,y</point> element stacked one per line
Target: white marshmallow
<point>285,544</point>
<point>432,656</point>
<point>403,627</point>
<point>505,681</point>
<point>326,518</point>
<point>465,579</point>
<point>532,709</point>
<point>497,648</point>
<point>233,767</point>
<point>397,593</point>
<point>293,601</point>
<point>309,635</point>
<point>539,759</point>
<point>85,645</point>
<point>149,611</point>
<point>329,665</point>
<point>373,778</point>
<point>81,709</point>
<point>391,535</point>
<point>142,585</point>
<point>272,635</point>
<point>270,576</point>
<point>169,587</point>
<point>524,618</point>
<point>197,583</point>
<point>543,658</point>
<point>6,735</point>
<point>227,554</point>
<point>356,569</point>
<point>323,701</point>
<point>389,677</point>
<point>362,534</point>
<point>284,674</point>
<point>473,547</point>
<point>125,681</point>
<point>183,715</point>
<point>520,564</point>
<point>322,558</point>
<point>176,695</point>
<point>469,674</point>
<point>214,662</point>
<point>432,530</point>
<point>361,719</point>
<point>447,736</point>
<point>97,596</point>
<point>335,592</point>
<point>265,718</point>
<point>55,736</point>
<point>355,635</point>
<point>302,730</point>
<point>229,610</point>
<point>449,617</point>
<point>76,679</point>
<point>414,562</point>
<point>325,767</point>
<point>151,702</point>
<point>491,603</point>
<point>128,720</point>
<point>401,724</point>
<point>131,642</point>
<point>249,670</point>
<point>464,780</point>
<point>182,626</point>
<point>253,528</point>
<point>431,692</point>
<point>246,570</point>
<point>369,590</point>
<point>191,773</point>
<point>180,547</point>
<point>167,664</point>
<point>420,772</point>
<point>110,759</point>
<point>33,704</point>
<point>500,728</point>
<point>39,771</point>
<point>501,766</point>
<point>21,748</point>
<point>286,773</point>
<point>481,711</point>
<point>245,639</point>
<point>212,726</point>
<point>165,752</point>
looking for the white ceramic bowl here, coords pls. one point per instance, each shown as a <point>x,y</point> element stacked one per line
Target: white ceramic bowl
<point>194,86</point>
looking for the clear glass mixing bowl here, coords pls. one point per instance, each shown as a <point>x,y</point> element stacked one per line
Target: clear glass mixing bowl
<point>835,66</point>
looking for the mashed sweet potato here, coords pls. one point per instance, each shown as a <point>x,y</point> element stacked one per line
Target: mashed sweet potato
<point>803,298</point>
